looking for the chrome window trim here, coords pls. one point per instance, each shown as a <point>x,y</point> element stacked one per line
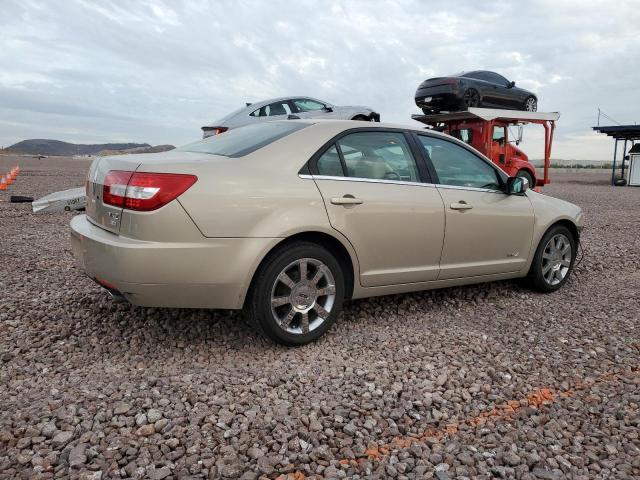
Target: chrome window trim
<point>471,189</point>
<point>365,180</point>
<point>397,182</point>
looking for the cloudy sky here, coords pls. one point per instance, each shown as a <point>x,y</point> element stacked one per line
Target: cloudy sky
<point>155,71</point>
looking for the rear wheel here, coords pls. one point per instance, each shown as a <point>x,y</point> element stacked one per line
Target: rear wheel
<point>553,261</point>
<point>471,98</point>
<point>531,104</point>
<point>361,118</point>
<point>522,173</point>
<point>297,294</point>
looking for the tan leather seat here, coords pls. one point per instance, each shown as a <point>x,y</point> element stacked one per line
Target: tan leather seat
<point>371,165</point>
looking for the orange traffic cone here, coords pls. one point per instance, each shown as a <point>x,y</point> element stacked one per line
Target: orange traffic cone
<point>3,183</point>
<point>8,179</point>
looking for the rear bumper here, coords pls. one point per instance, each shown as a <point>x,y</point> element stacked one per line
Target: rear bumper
<point>438,98</point>
<point>211,273</point>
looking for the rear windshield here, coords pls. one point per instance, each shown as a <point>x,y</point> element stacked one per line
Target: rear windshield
<point>242,141</point>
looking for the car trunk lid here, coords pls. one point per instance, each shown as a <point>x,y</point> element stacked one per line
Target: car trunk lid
<point>437,81</point>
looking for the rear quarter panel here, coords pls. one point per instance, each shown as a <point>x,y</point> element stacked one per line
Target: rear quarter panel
<point>258,195</point>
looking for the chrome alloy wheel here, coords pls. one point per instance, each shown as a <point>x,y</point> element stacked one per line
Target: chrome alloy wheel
<point>303,295</point>
<point>531,105</point>
<point>556,259</point>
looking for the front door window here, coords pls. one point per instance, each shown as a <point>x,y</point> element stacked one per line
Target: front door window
<point>457,166</point>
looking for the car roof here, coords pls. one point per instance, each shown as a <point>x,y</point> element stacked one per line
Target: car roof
<point>262,103</point>
<point>256,105</point>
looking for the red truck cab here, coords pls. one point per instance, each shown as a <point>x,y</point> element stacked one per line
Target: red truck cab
<point>500,148</point>
<point>488,131</point>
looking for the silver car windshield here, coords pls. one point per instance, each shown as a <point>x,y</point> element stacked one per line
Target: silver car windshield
<point>243,141</point>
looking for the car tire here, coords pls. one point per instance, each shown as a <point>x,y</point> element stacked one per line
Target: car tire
<point>429,111</point>
<point>522,173</point>
<point>361,118</point>
<point>470,98</point>
<point>620,182</point>
<point>289,307</point>
<point>551,268</point>
<point>530,104</point>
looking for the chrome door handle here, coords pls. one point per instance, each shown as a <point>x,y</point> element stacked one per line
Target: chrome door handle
<point>461,205</point>
<point>346,200</point>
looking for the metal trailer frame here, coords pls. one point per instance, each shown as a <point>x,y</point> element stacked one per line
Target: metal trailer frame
<point>620,133</point>
<point>490,115</point>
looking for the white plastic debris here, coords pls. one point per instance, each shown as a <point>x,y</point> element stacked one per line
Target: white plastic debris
<point>66,200</point>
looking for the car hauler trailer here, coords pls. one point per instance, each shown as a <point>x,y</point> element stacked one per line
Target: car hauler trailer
<point>487,130</point>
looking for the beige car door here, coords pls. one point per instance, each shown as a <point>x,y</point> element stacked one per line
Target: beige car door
<point>487,231</point>
<point>374,196</point>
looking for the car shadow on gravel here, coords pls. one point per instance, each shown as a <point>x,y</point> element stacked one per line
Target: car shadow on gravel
<point>169,328</point>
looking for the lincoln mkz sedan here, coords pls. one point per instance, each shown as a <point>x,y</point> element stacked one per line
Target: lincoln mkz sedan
<point>288,219</point>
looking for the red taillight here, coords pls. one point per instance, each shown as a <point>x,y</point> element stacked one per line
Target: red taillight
<point>220,130</point>
<point>115,187</point>
<point>144,191</point>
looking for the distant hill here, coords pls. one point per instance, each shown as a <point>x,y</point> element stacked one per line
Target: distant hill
<point>58,148</point>
<point>156,149</point>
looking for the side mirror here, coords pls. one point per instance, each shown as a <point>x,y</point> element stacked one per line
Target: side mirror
<point>517,185</point>
<point>328,108</point>
<point>511,84</point>
<point>519,136</point>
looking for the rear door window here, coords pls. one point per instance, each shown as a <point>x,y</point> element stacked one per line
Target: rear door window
<point>379,156</point>
<point>329,163</point>
<point>272,110</point>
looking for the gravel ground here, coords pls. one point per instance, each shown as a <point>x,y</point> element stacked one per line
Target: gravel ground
<point>476,382</point>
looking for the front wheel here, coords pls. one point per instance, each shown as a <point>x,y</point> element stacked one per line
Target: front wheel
<point>553,261</point>
<point>297,294</point>
<point>531,104</point>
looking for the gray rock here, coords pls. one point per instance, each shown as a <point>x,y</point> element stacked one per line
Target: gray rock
<point>265,464</point>
<point>141,419</point>
<point>60,439</point>
<point>350,429</point>
<point>121,408</point>
<point>48,429</point>
<point>153,415</point>
<point>160,473</point>
<point>77,456</point>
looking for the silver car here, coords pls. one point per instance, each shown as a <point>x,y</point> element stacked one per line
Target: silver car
<point>284,107</point>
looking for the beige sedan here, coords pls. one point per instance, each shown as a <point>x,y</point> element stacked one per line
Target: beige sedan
<point>288,219</point>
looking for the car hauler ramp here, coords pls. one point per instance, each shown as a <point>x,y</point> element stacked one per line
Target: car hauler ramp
<point>484,120</point>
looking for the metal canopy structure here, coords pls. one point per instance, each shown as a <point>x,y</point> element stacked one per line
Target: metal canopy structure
<point>624,133</point>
